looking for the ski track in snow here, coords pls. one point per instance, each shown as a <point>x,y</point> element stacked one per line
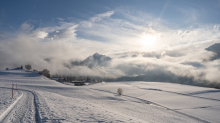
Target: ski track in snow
<point>7,111</point>
<point>154,104</point>
<point>179,93</point>
<point>6,98</point>
<point>41,100</point>
<point>22,110</point>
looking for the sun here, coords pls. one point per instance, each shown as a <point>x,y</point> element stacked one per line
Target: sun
<point>148,40</point>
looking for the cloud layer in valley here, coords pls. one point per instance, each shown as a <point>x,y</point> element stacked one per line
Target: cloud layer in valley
<point>138,45</point>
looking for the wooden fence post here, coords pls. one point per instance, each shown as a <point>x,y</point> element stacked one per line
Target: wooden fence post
<point>12,89</point>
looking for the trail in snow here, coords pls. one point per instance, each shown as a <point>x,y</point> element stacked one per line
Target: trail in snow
<point>208,109</point>
<point>8,110</point>
<point>155,104</point>
<point>22,110</point>
<point>6,98</point>
<point>190,94</point>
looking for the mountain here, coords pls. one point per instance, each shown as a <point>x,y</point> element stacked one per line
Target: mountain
<point>97,59</point>
<point>91,61</point>
<point>216,49</point>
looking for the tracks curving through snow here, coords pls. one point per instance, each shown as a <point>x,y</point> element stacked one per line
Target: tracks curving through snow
<point>24,109</point>
<point>8,110</point>
<point>190,95</point>
<point>155,104</point>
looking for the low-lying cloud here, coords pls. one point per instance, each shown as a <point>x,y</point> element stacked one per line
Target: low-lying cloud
<point>111,48</point>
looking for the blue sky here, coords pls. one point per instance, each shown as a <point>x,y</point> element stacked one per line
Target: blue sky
<point>152,25</point>
<point>139,35</point>
<point>181,13</point>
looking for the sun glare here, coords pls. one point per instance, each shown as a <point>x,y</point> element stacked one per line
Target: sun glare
<point>148,40</point>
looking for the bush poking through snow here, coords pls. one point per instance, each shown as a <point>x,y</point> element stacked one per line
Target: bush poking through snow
<point>36,71</point>
<point>6,69</point>
<point>45,72</point>
<point>120,91</point>
<point>28,67</point>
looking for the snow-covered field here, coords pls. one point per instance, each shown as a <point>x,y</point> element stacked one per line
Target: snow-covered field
<point>39,99</point>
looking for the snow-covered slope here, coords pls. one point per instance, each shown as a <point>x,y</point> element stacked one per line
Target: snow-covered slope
<point>44,100</point>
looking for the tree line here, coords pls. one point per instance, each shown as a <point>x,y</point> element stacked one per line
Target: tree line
<point>70,78</point>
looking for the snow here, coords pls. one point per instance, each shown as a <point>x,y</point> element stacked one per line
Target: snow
<point>7,102</point>
<point>46,100</point>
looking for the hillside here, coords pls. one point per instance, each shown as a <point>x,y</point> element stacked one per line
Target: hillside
<point>42,100</point>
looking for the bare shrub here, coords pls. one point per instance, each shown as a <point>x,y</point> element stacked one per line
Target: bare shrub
<point>36,71</point>
<point>6,69</point>
<point>28,67</point>
<point>119,91</point>
<point>45,72</point>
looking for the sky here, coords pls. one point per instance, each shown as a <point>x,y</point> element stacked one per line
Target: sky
<point>139,36</point>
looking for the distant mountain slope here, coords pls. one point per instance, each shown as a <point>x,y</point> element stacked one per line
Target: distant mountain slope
<point>216,49</point>
<point>91,61</point>
<point>97,59</point>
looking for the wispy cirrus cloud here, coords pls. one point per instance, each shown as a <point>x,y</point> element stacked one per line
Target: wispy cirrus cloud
<point>99,17</point>
<point>60,19</point>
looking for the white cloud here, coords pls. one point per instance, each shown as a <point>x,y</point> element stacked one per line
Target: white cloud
<point>60,19</point>
<point>179,32</point>
<point>42,34</point>
<point>99,17</point>
<point>216,26</point>
<point>26,27</point>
